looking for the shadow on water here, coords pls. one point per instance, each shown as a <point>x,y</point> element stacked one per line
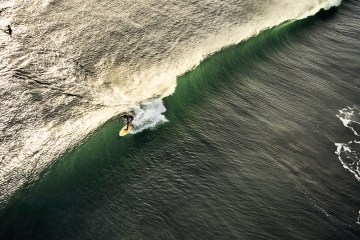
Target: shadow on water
<point>87,176</point>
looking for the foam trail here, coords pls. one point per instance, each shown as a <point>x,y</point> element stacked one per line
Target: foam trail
<point>347,154</point>
<point>350,117</point>
<point>149,115</point>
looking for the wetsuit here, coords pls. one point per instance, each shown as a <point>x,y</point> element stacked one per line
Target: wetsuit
<point>129,118</point>
<point>9,30</point>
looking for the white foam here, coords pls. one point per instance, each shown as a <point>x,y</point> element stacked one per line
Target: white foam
<point>342,148</point>
<point>349,115</point>
<point>338,147</point>
<point>149,115</point>
<point>326,5</point>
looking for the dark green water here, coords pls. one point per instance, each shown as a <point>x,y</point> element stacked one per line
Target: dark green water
<point>248,152</point>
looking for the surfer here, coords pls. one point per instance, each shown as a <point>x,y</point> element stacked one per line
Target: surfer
<point>129,118</point>
<point>9,30</point>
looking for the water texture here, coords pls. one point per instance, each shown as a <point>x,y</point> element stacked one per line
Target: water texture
<point>258,141</point>
<point>72,65</point>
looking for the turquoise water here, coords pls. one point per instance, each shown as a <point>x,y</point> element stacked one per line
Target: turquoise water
<point>248,151</point>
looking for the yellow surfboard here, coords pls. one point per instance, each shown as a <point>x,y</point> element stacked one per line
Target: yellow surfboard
<point>124,132</point>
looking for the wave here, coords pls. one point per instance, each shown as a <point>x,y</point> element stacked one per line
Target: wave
<point>105,88</point>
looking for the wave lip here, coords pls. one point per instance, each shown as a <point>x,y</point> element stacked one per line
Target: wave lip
<point>326,5</point>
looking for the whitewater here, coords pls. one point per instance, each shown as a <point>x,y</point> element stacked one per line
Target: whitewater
<point>73,65</point>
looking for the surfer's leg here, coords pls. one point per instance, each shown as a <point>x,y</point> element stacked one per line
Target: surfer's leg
<point>129,123</point>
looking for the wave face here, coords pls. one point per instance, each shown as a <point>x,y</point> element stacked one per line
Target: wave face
<point>72,65</point>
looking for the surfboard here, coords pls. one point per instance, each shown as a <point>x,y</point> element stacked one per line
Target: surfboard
<point>124,132</point>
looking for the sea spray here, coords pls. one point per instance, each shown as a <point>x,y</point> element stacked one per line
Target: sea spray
<point>149,115</point>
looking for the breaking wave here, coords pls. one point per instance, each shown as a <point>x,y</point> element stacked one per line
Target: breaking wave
<point>62,80</point>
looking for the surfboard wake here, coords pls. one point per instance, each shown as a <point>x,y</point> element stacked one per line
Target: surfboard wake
<point>149,115</point>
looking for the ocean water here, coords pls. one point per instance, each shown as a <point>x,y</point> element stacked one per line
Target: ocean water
<point>247,120</point>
